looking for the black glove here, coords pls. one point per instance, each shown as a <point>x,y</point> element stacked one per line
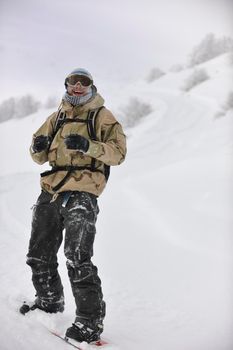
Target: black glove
<point>41,143</point>
<point>78,142</point>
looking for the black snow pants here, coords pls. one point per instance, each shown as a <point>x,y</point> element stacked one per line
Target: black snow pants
<point>78,217</point>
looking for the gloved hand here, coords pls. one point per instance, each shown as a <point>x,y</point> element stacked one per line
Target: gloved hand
<point>41,143</point>
<point>78,142</point>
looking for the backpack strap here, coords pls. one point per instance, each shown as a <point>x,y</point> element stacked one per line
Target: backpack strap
<point>91,127</point>
<point>60,119</point>
<point>91,122</point>
<point>69,169</point>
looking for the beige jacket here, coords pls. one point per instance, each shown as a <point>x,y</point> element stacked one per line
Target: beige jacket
<point>110,149</point>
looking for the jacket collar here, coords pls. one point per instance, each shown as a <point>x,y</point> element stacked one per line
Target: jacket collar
<point>95,102</point>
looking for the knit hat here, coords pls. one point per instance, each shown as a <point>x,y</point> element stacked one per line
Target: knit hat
<point>80,71</point>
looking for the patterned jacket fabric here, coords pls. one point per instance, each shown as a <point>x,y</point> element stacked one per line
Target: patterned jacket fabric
<point>109,149</point>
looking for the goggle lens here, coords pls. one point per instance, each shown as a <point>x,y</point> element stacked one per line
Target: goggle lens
<point>74,79</point>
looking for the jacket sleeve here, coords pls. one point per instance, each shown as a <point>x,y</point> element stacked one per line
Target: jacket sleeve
<point>46,129</point>
<point>111,150</point>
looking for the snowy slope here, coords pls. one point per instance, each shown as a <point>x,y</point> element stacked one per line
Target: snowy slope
<point>164,240</point>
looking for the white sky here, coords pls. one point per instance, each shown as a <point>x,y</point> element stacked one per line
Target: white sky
<point>118,41</point>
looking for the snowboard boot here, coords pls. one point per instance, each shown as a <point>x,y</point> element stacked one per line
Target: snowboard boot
<point>81,332</point>
<point>44,306</point>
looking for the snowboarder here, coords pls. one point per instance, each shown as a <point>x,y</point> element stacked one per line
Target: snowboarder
<point>80,141</point>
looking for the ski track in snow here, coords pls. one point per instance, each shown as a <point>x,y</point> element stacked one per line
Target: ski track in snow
<point>163,244</point>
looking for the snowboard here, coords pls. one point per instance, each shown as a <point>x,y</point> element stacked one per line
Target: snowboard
<point>76,345</point>
<point>26,307</point>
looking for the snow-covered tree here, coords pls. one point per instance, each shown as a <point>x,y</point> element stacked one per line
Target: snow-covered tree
<point>134,111</point>
<point>230,100</point>
<point>26,105</point>
<point>176,68</point>
<point>196,78</point>
<point>18,107</point>
<point>154,74</point>
<point>209,48</point>
<point>7,109</point>
<point>226,107</point>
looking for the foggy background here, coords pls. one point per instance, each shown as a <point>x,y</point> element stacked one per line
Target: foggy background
<point>118,41</point>
<point>164,242</point>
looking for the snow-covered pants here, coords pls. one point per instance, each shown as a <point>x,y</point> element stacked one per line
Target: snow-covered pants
<point>78,217</point>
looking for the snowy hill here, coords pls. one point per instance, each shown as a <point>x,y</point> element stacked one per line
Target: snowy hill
<point>164,244</point>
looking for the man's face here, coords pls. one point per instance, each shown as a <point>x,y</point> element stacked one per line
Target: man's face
<point>78,85</point>
<point>77,90</point>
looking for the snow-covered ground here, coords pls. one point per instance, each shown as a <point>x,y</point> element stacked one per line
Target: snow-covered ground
<point>164,242</point>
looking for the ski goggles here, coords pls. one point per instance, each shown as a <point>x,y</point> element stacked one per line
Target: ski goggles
<point>82,79</point>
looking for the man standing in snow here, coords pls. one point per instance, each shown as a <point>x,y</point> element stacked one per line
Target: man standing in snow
<point>80,141</point>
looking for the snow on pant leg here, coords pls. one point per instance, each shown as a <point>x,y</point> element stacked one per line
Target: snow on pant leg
<point>46,238</point>
<point>79,221</point>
